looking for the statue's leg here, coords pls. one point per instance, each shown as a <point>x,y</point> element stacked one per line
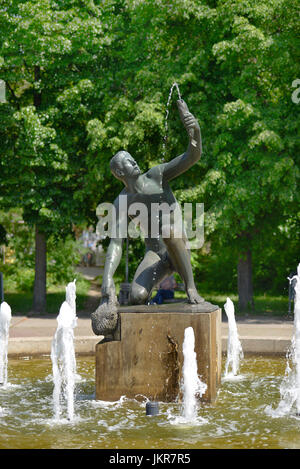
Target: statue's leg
<point>181,260</point>
<point>149,273</point>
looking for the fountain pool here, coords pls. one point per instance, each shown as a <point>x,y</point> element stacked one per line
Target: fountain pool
<point>238,419</point>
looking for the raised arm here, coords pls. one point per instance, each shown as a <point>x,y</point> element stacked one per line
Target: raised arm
<point>182,163</point>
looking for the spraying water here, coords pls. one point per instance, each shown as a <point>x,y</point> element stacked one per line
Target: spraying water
<point>192,386</point>
<point>290,386</point>
<point>71,295</point>
<point>5,318</point>
<point>71,300</point>
<point>175,85</point>
<point>234,347</point>
<point>63,355</point>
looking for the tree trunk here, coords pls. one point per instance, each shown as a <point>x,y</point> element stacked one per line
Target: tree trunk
<point>245,287</point>
<point>39,291</point>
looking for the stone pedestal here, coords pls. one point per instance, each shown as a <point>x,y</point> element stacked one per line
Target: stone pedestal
<point>145,356</point>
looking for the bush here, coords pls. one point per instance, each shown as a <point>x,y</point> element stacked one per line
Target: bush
<point>62,257</point>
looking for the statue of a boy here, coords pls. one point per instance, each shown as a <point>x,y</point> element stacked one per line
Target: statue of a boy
<point>166,252</point>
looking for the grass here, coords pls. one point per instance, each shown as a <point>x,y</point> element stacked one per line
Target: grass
<point>266,305</point>
<point>21,302</point>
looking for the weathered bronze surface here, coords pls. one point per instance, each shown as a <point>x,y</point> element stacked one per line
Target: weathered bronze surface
<point>166,252</point>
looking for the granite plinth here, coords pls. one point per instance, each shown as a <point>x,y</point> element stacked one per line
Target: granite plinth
<point>144,357</point>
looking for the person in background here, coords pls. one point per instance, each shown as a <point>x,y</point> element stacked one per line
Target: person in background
<point>165,291</point>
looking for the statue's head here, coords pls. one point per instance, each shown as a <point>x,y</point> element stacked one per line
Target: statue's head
<point>123,166</point>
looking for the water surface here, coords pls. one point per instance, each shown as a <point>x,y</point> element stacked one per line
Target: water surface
<point>238,419</point>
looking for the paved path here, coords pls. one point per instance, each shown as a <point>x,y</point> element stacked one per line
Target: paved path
<point>33,335</point>
<point>261,335</point>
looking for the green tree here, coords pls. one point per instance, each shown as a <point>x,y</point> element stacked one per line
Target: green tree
<point>235,63</point>
<point>87,79</point>
<point>255,170</point>
<point>48,58</point>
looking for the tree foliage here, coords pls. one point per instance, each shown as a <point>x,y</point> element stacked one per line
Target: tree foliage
<point>86,79</point>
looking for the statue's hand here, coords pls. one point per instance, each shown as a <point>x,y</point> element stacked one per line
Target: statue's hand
<point>108,294</point>
<point>189,121</point>
<point>104,319</point>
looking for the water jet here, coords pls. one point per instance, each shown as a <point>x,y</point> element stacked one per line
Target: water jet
<point>192,386</point>
<point>63,355</point>
<point>290,386</point>
<point>234,346</point>
<point>5,318</point>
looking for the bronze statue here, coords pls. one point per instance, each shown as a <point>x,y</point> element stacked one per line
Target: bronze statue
<point>165,252</point>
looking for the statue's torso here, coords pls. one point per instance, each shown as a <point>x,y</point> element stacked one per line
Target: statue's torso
<point>143,205</point>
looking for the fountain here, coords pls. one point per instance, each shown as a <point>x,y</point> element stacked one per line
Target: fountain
<point>236,420</point>
<point>142,357</point>
<point>234,346</point>
<point>192,386</point>
<point>5,318</point>
<point>143,337</point>
<point>63,355</point>
<point>290,387</point>
<point>71,295</point>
